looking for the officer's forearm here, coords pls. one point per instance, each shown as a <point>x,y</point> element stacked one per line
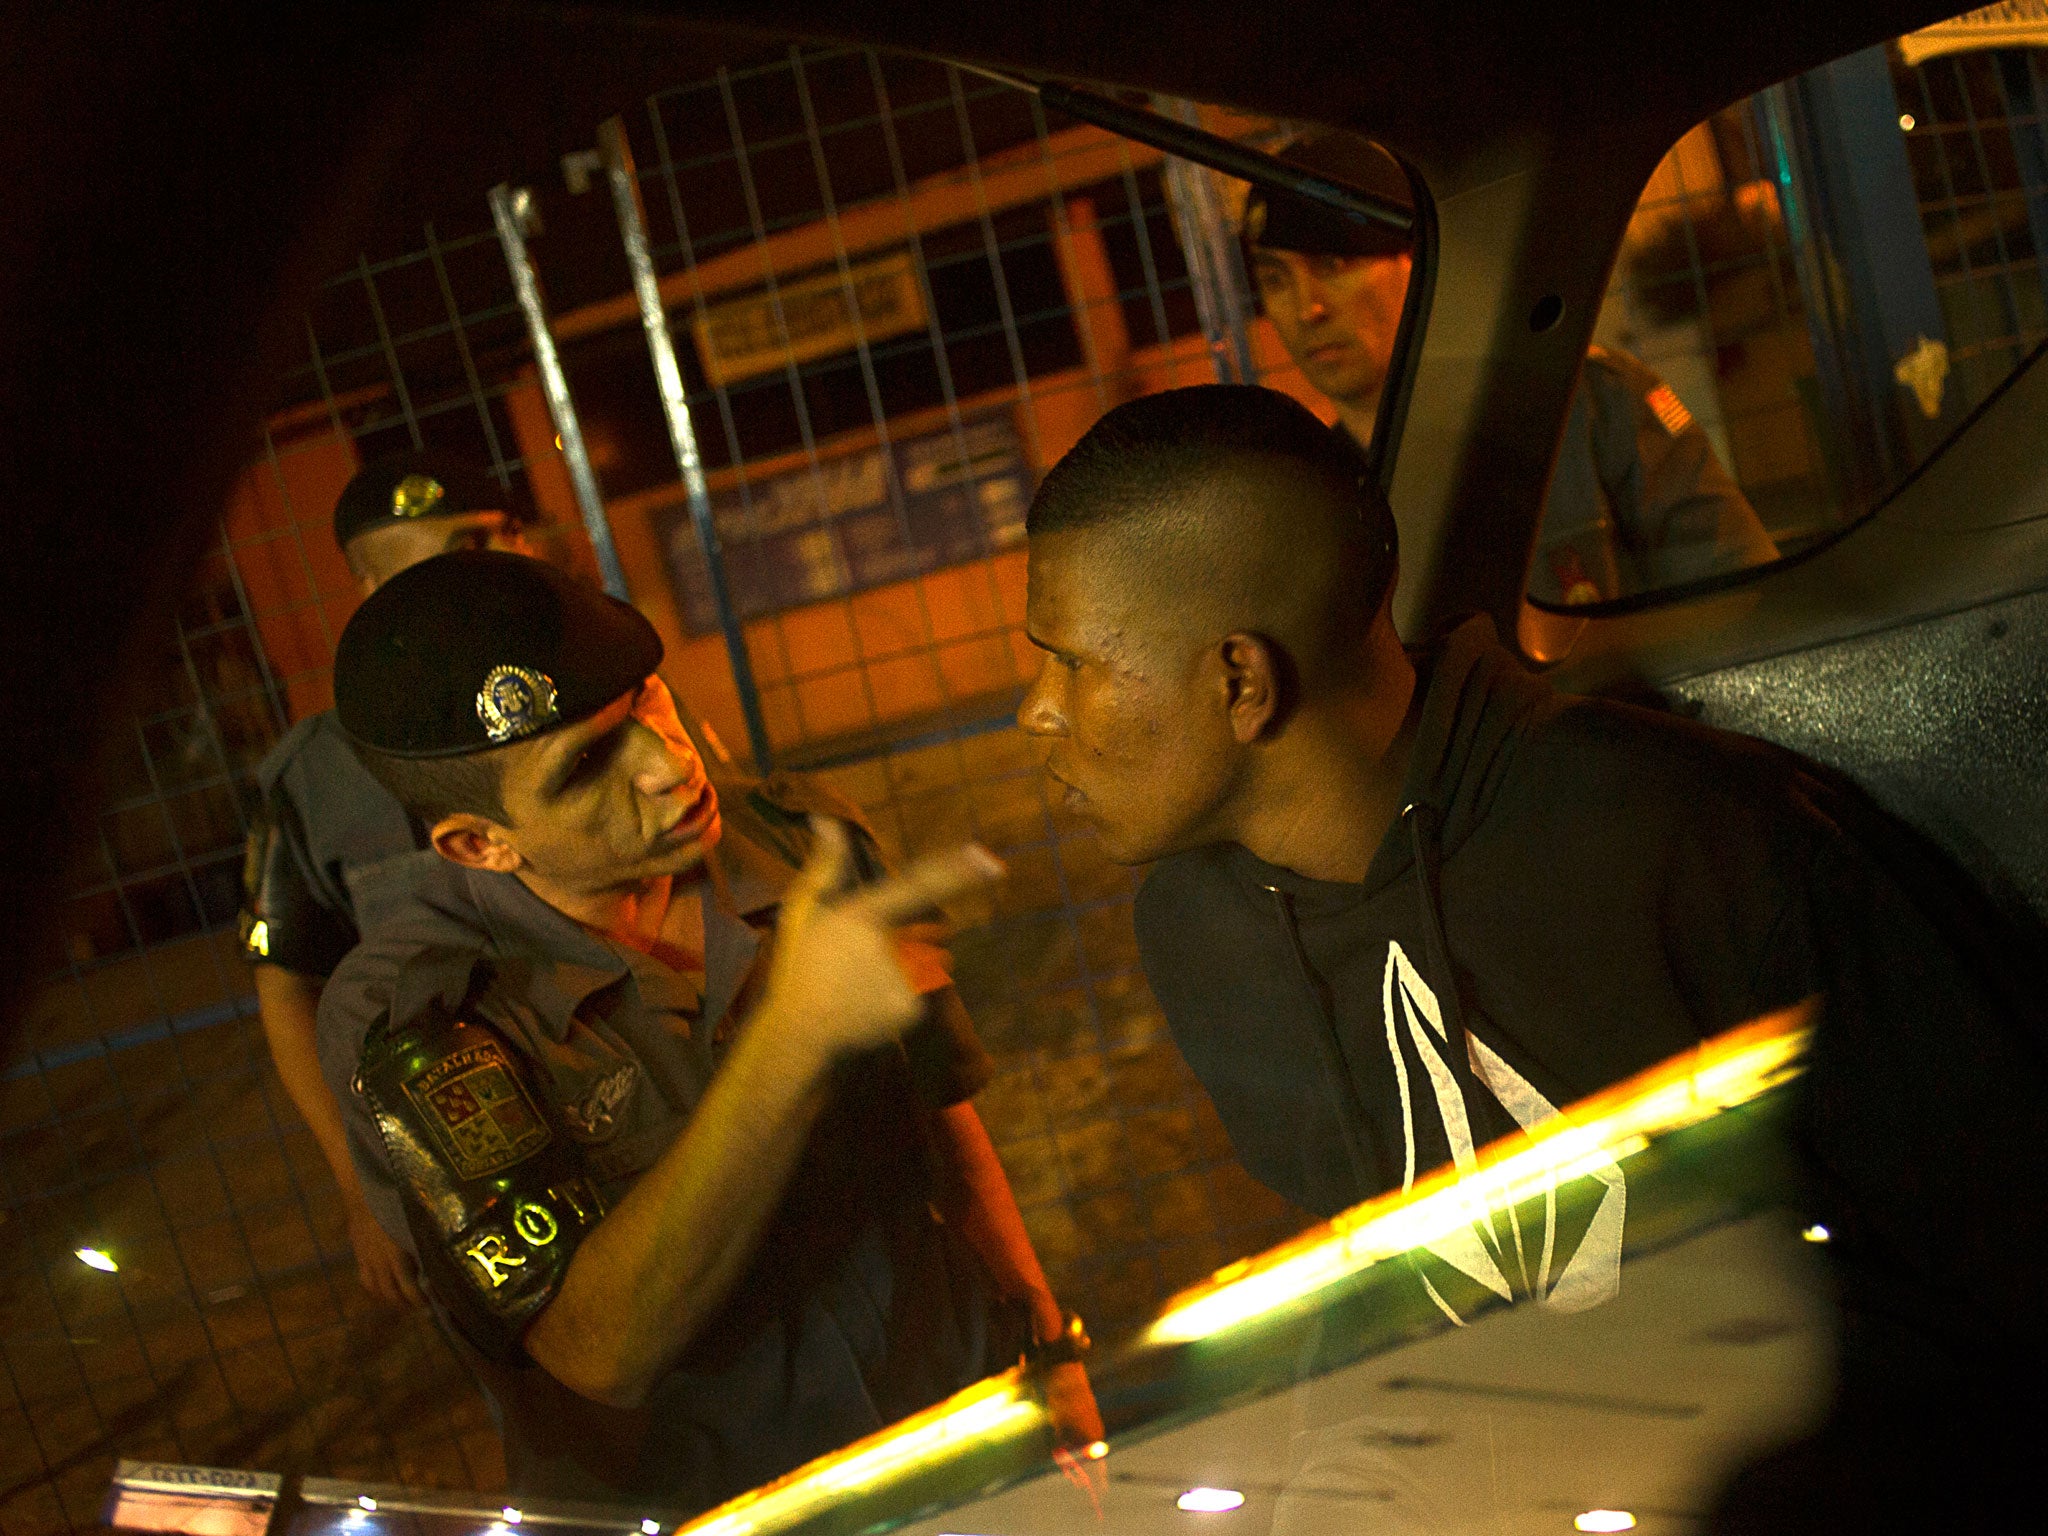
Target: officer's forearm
<point>289,1005</point>
<point>666,1256</point>
<point>988,1217</point>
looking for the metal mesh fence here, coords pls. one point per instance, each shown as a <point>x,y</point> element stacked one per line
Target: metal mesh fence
<point>142,1119</point>
<point>1976,130</point>
<point>907,292</point>
<point>1706,293</point>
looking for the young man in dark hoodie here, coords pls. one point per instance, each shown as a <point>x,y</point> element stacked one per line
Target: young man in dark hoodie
<point>1401,904</point>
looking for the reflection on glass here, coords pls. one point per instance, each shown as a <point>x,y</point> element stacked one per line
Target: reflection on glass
<point>1641,497</point>
<point>1828,277</point>
<point>1302,1390</point>
<point>1578,1144</point>
<point>1752,389</point>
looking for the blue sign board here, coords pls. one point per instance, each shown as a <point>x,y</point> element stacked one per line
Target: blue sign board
<point>854,521</point>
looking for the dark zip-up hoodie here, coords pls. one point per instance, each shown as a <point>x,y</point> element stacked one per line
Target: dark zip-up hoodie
<point>1583,889</point>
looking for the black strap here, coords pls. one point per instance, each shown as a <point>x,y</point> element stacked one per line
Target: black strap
<point>286,919</point>
<point>1368,1167</point>
<point>498,1196</point>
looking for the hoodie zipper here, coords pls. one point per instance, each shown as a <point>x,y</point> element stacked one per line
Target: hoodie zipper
<point>1368,1167</point>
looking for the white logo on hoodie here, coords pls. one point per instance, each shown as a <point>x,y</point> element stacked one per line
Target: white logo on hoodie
<point>1592,1272</point>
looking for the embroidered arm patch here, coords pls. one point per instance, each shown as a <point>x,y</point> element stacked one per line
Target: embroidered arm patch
<point>504,1198</point>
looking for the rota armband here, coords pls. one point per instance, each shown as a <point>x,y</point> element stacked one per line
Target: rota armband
<point>487,1174</point>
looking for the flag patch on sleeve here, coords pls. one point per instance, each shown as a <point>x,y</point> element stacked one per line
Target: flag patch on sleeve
<point>1665,405</point>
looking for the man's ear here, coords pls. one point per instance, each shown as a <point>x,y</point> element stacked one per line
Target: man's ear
<point>1254,675</point>
<point>358,566</point>
<point>475,842</point>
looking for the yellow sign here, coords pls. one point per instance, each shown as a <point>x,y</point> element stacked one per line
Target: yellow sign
<point>2013,24</point>
<point>816,317</point>
<point>1924,370</point>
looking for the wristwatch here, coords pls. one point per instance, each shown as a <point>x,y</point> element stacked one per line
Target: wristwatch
<point>1064,1348</point>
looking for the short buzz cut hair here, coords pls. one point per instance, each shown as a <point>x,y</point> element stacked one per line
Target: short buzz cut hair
<point>1149,449</point>
<point>434,788</point>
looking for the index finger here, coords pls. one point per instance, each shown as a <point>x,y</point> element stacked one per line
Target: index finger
<point>930,882</point>
<point>824,871</point>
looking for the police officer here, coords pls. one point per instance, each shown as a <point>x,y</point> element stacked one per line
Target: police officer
<point>1638,501</point>
<point>683,1146</point>
<point>325,827</point>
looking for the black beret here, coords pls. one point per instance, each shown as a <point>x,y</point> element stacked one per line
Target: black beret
<point>1286,221</point>
<point>472,650</point>
<point>403,486</point>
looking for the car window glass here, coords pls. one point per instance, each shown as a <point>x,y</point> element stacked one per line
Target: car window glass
<point>1820,283</point>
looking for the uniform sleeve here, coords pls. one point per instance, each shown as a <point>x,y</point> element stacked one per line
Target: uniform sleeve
<point>1678,513</point>
<point>350,1006</point>
<point>459,1152</point>
<point>948,1062</point>
<point>287,920</point>
<point>776,812</point>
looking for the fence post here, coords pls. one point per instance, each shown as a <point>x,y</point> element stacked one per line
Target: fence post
<point>1872,230</point>
<point>508,214</point>
<point>1215,269</point>
<point>624,178</point>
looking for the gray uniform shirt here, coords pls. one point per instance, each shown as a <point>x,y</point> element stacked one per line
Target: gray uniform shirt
<point>337,832</point>
<point>1639,502</point>
<point>860,1305</point>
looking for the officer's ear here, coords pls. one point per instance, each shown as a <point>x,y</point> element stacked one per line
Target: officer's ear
<point>474,842</point>
<point>360,566</point>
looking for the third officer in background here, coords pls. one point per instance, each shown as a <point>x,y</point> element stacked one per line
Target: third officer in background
<point>1638,501</point>
<point>325,827</point>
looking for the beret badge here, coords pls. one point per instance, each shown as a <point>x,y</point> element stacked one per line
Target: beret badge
<point>515,702</point>
<point>416,496</point>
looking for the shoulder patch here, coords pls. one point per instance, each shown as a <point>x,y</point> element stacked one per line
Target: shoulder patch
<point>473,1104</point>
<point>1669,410</point>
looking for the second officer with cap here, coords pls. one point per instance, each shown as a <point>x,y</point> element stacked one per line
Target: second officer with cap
<point>324,828</point>
<point>685,1155</point>
<point>1638,500</point>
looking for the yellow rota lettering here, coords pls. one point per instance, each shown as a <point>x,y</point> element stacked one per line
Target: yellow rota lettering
<point>494,1258</point>
<point>578,1197</point>
<point>535,1222</point>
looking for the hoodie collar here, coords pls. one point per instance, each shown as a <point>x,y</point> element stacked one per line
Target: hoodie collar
<point>1477,701</point>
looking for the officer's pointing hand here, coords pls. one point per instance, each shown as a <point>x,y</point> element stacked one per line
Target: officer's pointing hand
<point>835,973</point>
